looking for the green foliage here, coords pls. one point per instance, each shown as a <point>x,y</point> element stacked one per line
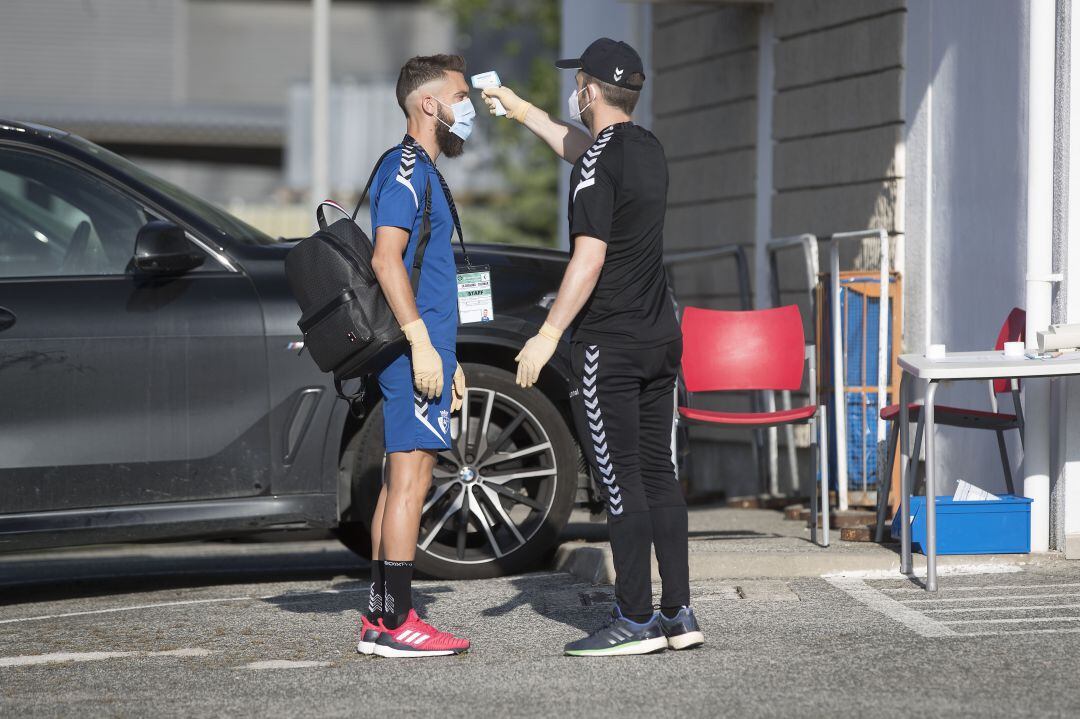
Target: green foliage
<point>527,211</point>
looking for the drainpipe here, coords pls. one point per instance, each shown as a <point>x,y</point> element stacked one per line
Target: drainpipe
<point>320,100</point>
<point>1040,213</point>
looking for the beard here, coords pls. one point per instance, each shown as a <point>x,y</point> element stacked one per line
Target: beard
<point>587,117</point>
<point>449,144</point>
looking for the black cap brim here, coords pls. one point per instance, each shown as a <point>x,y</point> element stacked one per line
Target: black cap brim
<point>572,63</point>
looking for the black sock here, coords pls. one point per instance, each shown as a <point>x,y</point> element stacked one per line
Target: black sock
<point>397,600</point>
<point>375,594</point>
<point>670,612</point>
<point>638,618</point>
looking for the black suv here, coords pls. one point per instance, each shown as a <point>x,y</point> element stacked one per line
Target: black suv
<point>151,385</point>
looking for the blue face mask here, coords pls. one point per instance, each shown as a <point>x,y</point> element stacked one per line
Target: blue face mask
<point>464,113</point>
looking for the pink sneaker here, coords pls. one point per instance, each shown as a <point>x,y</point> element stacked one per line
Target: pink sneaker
<point>369,633</point>
<point>417,638</point>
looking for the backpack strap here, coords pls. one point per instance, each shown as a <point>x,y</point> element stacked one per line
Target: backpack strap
<point>422,244</point>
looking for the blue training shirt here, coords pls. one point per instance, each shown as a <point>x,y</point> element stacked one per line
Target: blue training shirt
<point>397,198</point>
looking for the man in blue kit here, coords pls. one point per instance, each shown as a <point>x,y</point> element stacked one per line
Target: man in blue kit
<point>425,385</point>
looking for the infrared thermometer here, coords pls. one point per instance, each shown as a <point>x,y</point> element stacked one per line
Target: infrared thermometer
<point>489,79</point>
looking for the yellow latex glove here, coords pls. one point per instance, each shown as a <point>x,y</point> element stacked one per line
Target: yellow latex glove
<point>426,363</point>
<point>535,354</point>
<point>459,390</point>
<point>516,108</point>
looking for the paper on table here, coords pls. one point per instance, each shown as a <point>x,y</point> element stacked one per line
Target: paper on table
<point>967,492</point>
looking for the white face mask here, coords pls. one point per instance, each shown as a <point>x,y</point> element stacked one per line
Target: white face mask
<point>574,106</point>
<point>464,112</point>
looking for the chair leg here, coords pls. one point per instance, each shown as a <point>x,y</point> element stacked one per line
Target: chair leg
<point>885,482</point>
<point>1003,449</point>
<point>916,455</point>
<point>815,453</point>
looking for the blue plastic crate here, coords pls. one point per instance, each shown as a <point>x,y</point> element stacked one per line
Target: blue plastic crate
<point>981,527</point>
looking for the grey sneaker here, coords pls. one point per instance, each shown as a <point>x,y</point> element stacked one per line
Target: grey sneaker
<point>620,636</point>
<point>682,630</point>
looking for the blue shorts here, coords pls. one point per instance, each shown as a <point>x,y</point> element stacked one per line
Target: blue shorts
<point>409,420</point>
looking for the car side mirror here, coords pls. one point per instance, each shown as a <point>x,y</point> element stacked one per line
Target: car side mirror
<point>162,248</point>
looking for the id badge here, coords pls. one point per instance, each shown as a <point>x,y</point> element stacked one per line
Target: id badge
<point>474,294</point>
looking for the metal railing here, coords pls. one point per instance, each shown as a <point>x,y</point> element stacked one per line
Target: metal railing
<point>809,245</point>
<point>838,356</point>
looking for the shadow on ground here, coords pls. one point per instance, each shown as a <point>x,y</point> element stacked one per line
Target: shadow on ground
<point>56,577</point>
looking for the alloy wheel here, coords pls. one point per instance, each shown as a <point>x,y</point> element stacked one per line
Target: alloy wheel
<point>493,489</point>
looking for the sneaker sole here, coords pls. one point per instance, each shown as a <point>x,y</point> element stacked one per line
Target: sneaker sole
<point>689,640</point>
<point>391,652</point>
<point>366,648</point>
<point>645,646</point>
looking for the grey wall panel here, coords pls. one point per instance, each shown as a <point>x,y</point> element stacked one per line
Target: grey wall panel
<point>711,82</point>
<point>708,130</point>
<point>700,226</point>
<point>712,178</point>
<point>668,13</point>
<point>844,105</point>
<point>272,41</point>
<point>862,47</point>
<point>103,51</point>
<point>836,209</point>
<point>800,16</point>
<point>697,37</point>
<point>839,159</point>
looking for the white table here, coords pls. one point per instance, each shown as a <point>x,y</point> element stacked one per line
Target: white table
<point>955,366</point>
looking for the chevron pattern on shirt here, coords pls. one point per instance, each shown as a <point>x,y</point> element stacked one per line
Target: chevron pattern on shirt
<point>405,169</point>
<point>588,162</point>
<point>595,419</point>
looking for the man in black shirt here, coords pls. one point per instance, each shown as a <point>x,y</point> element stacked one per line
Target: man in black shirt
<point>626,345</point>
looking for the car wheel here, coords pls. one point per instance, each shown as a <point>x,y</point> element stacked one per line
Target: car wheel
<point>499,496</point>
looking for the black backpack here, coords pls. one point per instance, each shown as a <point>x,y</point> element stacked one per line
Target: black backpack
<point>348,326</point>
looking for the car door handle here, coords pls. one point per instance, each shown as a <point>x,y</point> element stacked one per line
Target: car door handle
<point>7,319</point>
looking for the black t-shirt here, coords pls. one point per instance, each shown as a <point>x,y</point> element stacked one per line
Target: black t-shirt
<point>618,194</point>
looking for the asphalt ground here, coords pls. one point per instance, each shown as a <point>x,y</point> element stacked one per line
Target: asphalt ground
<point>269,630</point>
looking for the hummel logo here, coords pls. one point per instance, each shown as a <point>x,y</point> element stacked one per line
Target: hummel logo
<point>618,74</point>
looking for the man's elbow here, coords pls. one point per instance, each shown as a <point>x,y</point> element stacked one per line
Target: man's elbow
<point>379,263</point>
<point>591,265</point>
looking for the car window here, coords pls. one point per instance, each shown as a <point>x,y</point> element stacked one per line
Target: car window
<point>234,227</point>
<point>57,220</point>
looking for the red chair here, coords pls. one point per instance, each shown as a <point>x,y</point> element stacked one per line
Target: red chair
<point>1000,422</point>
<point>752,351</point>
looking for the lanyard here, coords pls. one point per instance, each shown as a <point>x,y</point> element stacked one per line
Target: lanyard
<point>408,139</point>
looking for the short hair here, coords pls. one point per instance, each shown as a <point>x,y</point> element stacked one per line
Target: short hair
<point>421,70</point>
<point>621,98</point>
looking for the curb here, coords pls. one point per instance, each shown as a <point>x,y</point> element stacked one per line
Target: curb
<point>592,563</point>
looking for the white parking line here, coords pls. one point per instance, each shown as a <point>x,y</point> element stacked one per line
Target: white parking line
<point>992,586</point>
<point>1012,621</point>
<point>284,664</point>
<point>991,599</point>
<point>65,657</point>
<point>187,602</point>
<point>883,603</point>
<point>1024,608</point>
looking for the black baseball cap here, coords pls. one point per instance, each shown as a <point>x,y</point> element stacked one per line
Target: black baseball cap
<point>612,61</point>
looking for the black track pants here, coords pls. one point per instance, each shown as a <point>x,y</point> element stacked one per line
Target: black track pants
<point>624,411</point>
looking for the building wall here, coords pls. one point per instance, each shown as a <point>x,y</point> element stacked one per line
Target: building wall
<point>704,108</point>
<point>106,51</point>
<point>836,139</point>
<point>966,112</point>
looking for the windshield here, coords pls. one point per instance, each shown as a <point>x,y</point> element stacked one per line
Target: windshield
<point>231,226</point>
